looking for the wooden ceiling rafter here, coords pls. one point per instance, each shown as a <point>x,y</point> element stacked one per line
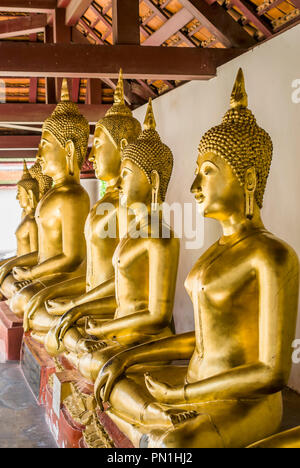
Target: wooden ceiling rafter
<point>250,12</point>
<point>164,17</point>
<point>60,60</point>
<point>216,19</point>
<point>23,26</point>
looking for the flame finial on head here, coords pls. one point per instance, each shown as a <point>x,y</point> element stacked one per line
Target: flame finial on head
<point>239,97</point>
<point>65,97</point>
<point>150,123</point>
<point>119,91</point>
<point>26,174</point>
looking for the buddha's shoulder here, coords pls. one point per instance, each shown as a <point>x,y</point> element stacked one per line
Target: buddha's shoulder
<point>71,192</point>
<point>270,249</point>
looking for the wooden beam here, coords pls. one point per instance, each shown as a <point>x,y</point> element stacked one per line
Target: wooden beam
<point>92,61</point>
<point>37,113</point>
<point>170,27</point>
<point>22,26</point>
<point>165,18</point>
<point>27,6</point>
<point>264,8</point>
<point>61,33</point>
<point>63,3</point>
<point>16,154</point>
<point>75,10</point>
<point>126,22</point>
<point>33,90</point>
<point>250,12</point>
<point>19,141</point>
<point>219,23</point>
<point>94,92</point>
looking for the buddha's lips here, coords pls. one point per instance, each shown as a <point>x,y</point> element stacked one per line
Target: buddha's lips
<point>199,197</point>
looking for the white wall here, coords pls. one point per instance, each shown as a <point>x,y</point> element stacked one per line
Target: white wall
<point>186,113</point>
<point>92,186</point>
<point>10,218</point>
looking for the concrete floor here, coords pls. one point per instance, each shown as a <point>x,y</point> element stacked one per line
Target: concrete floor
<point>22,421</point>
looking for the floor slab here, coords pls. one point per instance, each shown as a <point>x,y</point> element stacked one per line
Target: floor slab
<point>22,421</point>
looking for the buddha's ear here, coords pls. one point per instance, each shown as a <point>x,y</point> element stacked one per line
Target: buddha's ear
<point>123,144</point>
<point>250,187</point>
<point>155,180</point>
<point>70,149</point>
<point>32,199</point>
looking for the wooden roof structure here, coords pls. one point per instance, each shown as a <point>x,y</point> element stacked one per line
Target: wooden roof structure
<point>160,44</point>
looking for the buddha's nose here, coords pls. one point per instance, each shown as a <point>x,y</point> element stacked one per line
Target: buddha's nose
<point>92,155</point>
<point>196,187</point>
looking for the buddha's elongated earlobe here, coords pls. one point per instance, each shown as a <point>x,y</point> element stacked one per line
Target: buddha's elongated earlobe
<point>70,157</point>
<point>155,189</point>
<point>250,187</point>
<point>123,144</point>
<point>32,200</point>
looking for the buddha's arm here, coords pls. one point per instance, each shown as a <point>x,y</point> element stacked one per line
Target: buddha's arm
<point>105,289</point>
<point>3,262</point>
<point>27,260</point>
<point>163,264</point>
<point>33,237</point>
<point>278,296</point>
<point>66,288</point>
<point>178,347</point>
<point>73,242</point>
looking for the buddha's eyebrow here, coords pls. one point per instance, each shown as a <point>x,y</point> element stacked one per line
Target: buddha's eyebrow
<point>45,139</point>
<point>211,163</point>
<point>127,169</point>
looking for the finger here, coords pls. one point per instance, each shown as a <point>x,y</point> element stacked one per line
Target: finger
<point>108,388</point>
<point>64,330</point>
<point>98,387</point>
<point>56,335</point>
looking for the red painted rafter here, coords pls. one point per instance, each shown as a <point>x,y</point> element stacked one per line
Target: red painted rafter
<point>22,26</point>
<point>219,23</point>
<point>169,28</point>
<point>61,60</point>
<point>126,22</point>
<point>75,10</point>
<point>268,7</point>
<point>28,6</point>
<point>63,3</point>
<point>164,17</point>
<point>37,113</point>
<point>93,92</point>
<point>250,12</point>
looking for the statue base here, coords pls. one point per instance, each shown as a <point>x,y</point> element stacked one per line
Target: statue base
<point>37,367</point>
<point>11,334</point>
<point>71,411</point>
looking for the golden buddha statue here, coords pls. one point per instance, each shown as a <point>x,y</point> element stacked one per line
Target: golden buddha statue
<point>245,293</point>
<point>140,308</point>
<point>30,189</point>
<point>288,439</point>
<point>116,129</point>
<point>62,212</point>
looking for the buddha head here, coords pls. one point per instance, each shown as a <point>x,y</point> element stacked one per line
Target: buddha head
<point>28,190</point>
<point>64,139</point>
<point>32,186</point>
<point>146,167</point>
<point>116,130</point>
<point>234,162</point>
